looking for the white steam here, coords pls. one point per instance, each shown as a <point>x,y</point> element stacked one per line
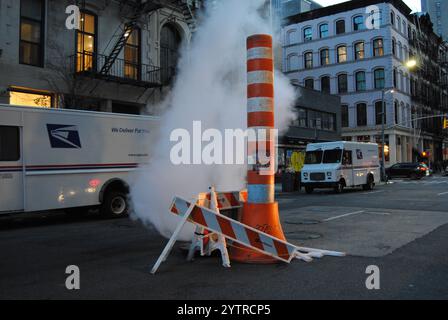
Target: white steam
<point>211,88</point>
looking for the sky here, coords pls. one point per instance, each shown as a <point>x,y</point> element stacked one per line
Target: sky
<point>415,5</point>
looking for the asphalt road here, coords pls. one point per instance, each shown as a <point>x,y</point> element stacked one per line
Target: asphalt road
<point>402,228</point>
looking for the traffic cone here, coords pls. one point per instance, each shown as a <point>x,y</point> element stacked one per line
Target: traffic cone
<point>260,211</point>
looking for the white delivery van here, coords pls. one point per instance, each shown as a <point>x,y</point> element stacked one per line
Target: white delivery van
<point>341,164</point>
<point>66,159</point>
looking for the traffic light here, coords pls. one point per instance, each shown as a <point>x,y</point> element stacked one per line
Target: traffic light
<point>424,154</point>
<point>445,123</point>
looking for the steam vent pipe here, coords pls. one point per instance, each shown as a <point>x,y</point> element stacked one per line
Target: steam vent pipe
<point>261,210</point>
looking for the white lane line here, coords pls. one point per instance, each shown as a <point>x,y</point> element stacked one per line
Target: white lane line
<point>373,192</point>
<point>442,194</point>
<point>344,215</point>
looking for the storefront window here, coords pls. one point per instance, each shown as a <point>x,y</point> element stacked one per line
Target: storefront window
<point>30,99</point>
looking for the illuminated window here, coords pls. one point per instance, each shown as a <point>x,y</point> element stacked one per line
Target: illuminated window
<point>86,42</point>
<point>30,99</point>
<point>132,56</point>
<point>31,32</point>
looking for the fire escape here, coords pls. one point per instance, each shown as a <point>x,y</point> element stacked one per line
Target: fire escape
<point>110,67</point>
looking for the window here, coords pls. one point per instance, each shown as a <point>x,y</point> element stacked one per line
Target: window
<point>342,54</point>
<point>170,41</point>
<point>392,18</point>
<point>378,48</point>
<point>394,47</point>
<point>340,26</point>
<point>342,83</point>
<point>32,13</point>
<point>379,113</point>
<point>325,84</point>
<point>309,83</point>
<point>308,60</point>
<point>314,157</point>
<point>328,121</point>
<point>86,43</point>
<point>398,23</point>
<point>293,62</point>
<point>361,114</point>
<point>395,78</point>
<point>396,111</point>
<point>332,156</point>
<point>344,116</point>
<point>379,79</point>
<point>308,34</point>
<point>9,143</point>
<point>132,56</point>
<point>324,57</point>
<point>347,159</point>
<point>359,51</point>
<point>358,23</point>
<point>323,30</point>
<point>30,99</point>
<point>360,81</point>
<point>302,118</point>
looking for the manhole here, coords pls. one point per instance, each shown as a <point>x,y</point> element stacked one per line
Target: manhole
<point>302,235</point>
<point>301,221</point>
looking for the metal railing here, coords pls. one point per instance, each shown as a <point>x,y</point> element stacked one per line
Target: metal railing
<point>90,64</point>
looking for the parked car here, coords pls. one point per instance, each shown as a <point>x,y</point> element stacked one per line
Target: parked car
<point>407,170</point>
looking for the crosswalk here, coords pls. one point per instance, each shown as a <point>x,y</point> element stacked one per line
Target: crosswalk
<point>424,181</point>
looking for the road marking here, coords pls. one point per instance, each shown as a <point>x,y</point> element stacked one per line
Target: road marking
<point>442,194</point>
<point>344,215</point>
<point>373,192</point>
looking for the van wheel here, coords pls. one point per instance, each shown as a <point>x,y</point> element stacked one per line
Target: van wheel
<point>370,184</point>
<point>115,205</point>
<point>309,190</point>
<point>340,187</point>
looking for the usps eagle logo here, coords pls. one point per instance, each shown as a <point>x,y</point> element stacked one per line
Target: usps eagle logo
<point>64,136</point>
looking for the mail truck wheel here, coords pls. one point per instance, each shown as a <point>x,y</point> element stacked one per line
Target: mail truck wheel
<point>115,204</point>
<point>309,190</point>
<point>370,184</point>
<point>340,187</point>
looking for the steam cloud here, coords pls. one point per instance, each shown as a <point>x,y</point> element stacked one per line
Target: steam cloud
<point>211,88</point>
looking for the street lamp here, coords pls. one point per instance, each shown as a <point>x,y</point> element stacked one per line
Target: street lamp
<point>410,64</point>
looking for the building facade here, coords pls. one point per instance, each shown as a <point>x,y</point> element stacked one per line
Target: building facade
<point>437,9</point>
<point>120,58</point>
<point>318,120</point>
<point>359,51</point>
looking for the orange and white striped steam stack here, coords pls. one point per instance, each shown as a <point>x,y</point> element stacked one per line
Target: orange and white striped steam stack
<point>260,211</point>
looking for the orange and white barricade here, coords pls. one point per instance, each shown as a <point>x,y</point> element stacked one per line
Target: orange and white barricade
<point>239,233</point>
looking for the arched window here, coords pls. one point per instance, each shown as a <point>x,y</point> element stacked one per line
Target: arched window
<point>342,83</point>
<point>359,51</point>
<point>378,47</point>
<point>396,111</point>
<point>291,37</point>
<point>379,78</point>
<point>392,18</point>
<point>307,34</point>
<point>293,62</point>
<point>169,52</point>
<point>323,30</point>
<point>325,84</point>
<point>309,83</point>
<point>361,114</point>
<point>340,26</point>
<point>360,81</point>
<point>379,113</point>
<point>342,54</point>
<point>132,61</point>
<point>308,60</point>
<point>358,23</point>
<point>398,23</point>
<point>344,116</point>
<point>394,47</point>
<point>324,57</point>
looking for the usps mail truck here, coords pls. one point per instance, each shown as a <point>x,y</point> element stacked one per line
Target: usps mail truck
<point>67,159</point>
<point>341,164</point>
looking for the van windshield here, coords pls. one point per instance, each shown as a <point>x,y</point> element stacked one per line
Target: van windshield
<point>313,157</point>
<point>333,156</point>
